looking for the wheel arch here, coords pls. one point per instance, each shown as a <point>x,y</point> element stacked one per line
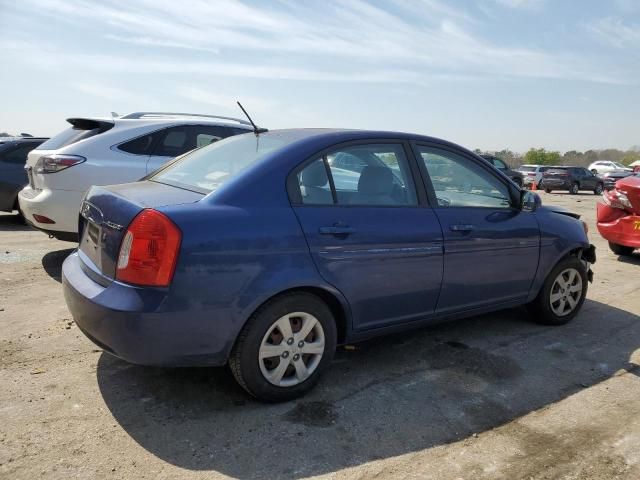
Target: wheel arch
<point>586,252</point>
<point>332,298</point>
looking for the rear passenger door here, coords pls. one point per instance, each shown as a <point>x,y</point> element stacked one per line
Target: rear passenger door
<point>491,246</point>
<point>370,234</point>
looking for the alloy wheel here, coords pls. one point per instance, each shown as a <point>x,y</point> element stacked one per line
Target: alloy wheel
<point>292,349</point>
<point>566,292</point>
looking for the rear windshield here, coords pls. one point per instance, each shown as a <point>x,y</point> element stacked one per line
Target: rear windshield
<point>207,168</point>
<point>74,134</point>
<point>527,169</point>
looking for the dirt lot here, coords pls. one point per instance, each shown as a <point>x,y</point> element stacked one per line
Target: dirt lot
<point>490,397</point>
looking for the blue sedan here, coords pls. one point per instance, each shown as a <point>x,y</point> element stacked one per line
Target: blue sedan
<point>266,251</point>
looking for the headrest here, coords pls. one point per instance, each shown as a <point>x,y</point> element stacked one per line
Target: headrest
<point>375,181</point>
<point>315,175</point>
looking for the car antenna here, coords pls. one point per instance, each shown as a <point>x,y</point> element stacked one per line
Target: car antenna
<point>257,130</point>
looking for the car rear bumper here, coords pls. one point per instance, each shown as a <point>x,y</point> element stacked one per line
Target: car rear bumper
<point>553,183</point>
<point>623,231</point>
<point>61,206</point>
<point>132,323</point>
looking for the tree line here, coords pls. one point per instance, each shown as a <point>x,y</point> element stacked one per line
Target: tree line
<point>540,156</point>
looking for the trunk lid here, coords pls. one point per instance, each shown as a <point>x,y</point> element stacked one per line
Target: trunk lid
<point>106,213</point>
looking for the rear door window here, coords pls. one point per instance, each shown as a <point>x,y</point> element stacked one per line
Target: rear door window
<point>207,134</point>
<point>175,141</point>
<point>362,175</point>
<point>141,145</point>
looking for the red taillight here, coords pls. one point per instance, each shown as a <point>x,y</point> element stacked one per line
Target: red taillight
<point>149,250</point>
<point>617,199</point>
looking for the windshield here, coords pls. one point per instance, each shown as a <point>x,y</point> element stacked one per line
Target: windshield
<point>527,169</point>
<point>206,169</point>
<point>618,165</point>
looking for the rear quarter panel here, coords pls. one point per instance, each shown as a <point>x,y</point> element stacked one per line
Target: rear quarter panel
<point>232,260</point>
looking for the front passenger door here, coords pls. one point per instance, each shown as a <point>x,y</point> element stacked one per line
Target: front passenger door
<point>491,247</point>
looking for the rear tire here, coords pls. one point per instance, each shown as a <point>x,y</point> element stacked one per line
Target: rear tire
<point>621,249</point>
<point>276,366</point>
<point>575,189</point>
<point>562,293</point>
<point>598,190</point>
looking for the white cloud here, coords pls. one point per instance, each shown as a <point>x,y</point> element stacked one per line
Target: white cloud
<point>336,40</point>
<point>526,4</point>
<point>223,100</point>
<point>615,32</point>
<point>102,90</point>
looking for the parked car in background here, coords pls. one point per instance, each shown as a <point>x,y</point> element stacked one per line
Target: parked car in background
<point>103,151</point>
<point>604,166</point>
<point>515,175</point>
<point>573,179</point>
<point>13,178</point>
<point>532,174</point>
<point>619,216</point>
<point>248,252</point>
<point>610,178</point>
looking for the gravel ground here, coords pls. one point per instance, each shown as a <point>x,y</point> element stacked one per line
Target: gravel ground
<point>494,397</point>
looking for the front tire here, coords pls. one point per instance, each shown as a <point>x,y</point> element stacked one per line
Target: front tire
<point>598,190</point>
<point>548,190</point>
<point>562,293</point>
<point>620,249</point>
<point>284,347</point>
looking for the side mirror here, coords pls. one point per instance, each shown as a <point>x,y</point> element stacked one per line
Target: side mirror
<point>529,201</point>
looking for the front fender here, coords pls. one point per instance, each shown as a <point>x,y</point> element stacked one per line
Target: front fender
<point>560,235</point>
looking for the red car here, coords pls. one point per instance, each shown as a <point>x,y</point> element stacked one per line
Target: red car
<point>619,216</point>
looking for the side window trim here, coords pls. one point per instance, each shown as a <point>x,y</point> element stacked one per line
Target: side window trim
<point>293,189</point>
<point>332,186</point>
<point>487,167</point>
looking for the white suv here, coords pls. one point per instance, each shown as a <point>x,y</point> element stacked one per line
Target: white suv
<point>604,166</point>
<point>532,174</point>
<point>105,151</point>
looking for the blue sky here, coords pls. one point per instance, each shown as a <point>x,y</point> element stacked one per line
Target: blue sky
<point>487,74</point>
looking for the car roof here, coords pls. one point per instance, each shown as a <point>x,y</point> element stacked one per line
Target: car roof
<point>340,135</point>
